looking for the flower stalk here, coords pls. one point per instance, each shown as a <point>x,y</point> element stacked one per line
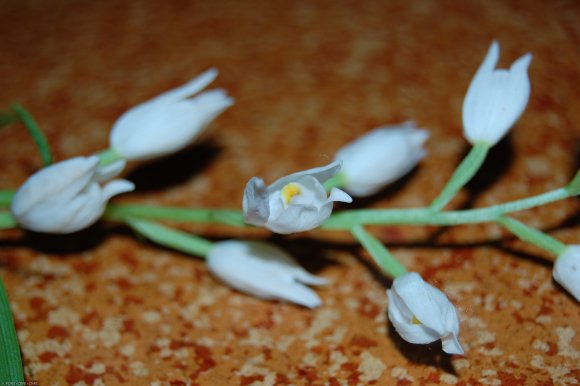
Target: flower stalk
<point>178,240</point>
<point>532,235</point>
<point>462,175</point>
<point>380,254</point>
<point>35,132</point>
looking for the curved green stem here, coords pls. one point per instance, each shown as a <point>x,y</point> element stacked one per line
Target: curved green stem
<point>6,197</point>
<point>7,221</point>
<point>336,181</point>
<point>108,156</point>
<point>532,235</point>
<point>464,172</point>
<point>35,132</point>
<point>380,254</point>
<point>178,240</point>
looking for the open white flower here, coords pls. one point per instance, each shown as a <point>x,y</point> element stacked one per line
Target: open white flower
<point>495,98</point>
<point>380,157</point>
<point>263,270</point>
<point>567,270</point>
<point>66,197</point>
<point>294,203</point>
<point>422,314</point>
<point>170,121</point>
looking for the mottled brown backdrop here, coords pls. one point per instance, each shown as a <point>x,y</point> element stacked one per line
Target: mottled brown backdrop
<point>103,307</point>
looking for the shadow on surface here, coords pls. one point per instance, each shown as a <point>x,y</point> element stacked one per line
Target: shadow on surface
<point>174,169</point>
<point>422,354</point>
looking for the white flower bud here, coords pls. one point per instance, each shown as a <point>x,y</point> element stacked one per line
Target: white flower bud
<point>495,98</point>
<point>66,197</point>
<point>567,270</point>
<point>263,270</point>
<point>294,203</point>
<point>422,314</point>
<point>380,157</point>
<point>170,121</point>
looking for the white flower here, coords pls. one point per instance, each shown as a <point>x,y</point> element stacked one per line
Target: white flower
<point>380,157</point>
<point>422,314</point>
<point>168,122</point>
<point>567,270</point>
<point>66,197</point>
<point>495,98</point>
<point>264,271</point>
<point>294,203</point>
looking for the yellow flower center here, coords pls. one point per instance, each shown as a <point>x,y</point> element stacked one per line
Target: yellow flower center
<point>289,191</point>
<point>415,320</point>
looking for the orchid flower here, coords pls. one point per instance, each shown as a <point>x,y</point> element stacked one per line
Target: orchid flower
<point>294,203</point>
<point>263,270</point>
<point>567,270</point>
<point>495,98</point>
<point>170,121</point>
<point>380,157</point>
<point>67,196</point>
<point>422,314</point>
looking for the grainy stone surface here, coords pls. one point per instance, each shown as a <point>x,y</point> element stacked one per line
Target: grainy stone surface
<point>103,308</point>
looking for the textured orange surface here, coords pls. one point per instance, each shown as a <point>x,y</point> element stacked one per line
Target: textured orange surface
<point>102,307</point>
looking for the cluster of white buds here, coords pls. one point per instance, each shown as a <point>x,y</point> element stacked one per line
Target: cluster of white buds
<point>67,196</point>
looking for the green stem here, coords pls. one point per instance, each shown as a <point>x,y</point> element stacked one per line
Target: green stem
<point>380,254</point>
<point>574,186</point>
<point>336,181</point>
<point>532,235</point>
<point>35,132</point>
<point>6,197</point>
<point>108,156</point>
<point>220,216</point>
<point>464,172</point>
<point>7,221</point>
<point>179,240</point>
<point>424,216</point>
<point>10,361</point>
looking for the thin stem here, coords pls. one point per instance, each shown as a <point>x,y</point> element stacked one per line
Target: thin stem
<point>336,181</point>
<point>380,254</point>
<point>532,235</point>
<point>35,132</point>
<point>7,221</point>
<point>220,216</point>
<point>6,198</point>
<point>179,240</point>
<point>574,186</point>
<point>10,361</point>
<point>108,156</point>
<point>424,216</point>
<point>464,172</point>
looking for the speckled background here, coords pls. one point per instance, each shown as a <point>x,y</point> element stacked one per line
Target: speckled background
<point>103,308</point>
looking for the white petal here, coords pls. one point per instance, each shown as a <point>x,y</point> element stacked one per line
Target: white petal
<point>188,89</point>
<point>321,173</point>
<point>261,270</point>
<point>567,270</point>
<point>380,157</point>
<point>116,187</point>
<point>56,183</point>
<point>337,195</point>
<point>255,203</point>
<point>495,99</point>
<point>105,173</point>
<point>451,345</point>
